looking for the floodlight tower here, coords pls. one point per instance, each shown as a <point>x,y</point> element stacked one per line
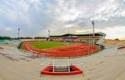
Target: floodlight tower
<point>18,32</point>
<point>48,34</point>
<point>93,32</point>
<point>68,30</point>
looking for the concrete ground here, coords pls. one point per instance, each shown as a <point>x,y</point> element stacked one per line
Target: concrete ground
<point>108,64</point>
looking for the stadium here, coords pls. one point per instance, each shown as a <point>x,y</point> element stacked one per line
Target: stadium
<point>62,40</point>
<point>83,45</point>
<point>61,56</point>
<point>42,66</point>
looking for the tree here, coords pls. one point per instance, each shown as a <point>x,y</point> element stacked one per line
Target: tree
<point>117,39</point>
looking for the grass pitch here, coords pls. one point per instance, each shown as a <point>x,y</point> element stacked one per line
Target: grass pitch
<point>48,44</point>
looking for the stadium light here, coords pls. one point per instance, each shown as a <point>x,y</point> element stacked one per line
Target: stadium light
<point>18,33</point>
<point>49,35</point>
<point>93,32</point>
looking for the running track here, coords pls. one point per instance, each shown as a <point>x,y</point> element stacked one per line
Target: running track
<point>64,51</point>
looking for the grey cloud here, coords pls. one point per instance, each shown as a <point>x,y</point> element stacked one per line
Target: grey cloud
<point>36,17</point>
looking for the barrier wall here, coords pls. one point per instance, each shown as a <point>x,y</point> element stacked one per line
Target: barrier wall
<point>48,72</point>
<point>121,47</point>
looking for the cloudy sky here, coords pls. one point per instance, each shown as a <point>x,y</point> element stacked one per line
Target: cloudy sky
<point>36,17</point>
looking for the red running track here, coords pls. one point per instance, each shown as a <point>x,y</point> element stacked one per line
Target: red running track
<point>64,51</point>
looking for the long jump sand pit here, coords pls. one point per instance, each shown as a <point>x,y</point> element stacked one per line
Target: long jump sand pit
<point>64,51</point>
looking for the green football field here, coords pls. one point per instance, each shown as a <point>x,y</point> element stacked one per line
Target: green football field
<point>48,44</point>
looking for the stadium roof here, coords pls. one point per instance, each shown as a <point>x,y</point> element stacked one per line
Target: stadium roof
<point>96,34</point>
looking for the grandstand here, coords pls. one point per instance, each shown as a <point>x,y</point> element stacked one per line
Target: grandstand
<point>87,38</point>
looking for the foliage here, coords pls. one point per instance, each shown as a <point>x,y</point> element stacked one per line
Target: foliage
<point>40,38</point>
<point>25,37</point>
<point>117,39</point>
<point>4,37</point>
